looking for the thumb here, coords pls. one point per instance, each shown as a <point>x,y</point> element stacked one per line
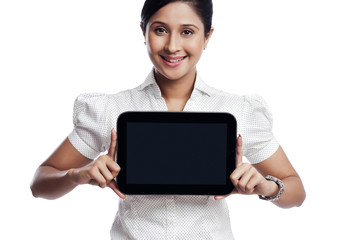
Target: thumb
<point>225,196</point>
<point>239,154</point>
<point>113,186</point>
<point>112,148</point>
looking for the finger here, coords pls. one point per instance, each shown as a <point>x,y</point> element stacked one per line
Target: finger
<point>113,167</point>
<point>245,179</point>
<point>93,182</point>
<point>112,148</point>
<point>96,176</point>
<point>237,174</point>
<point>113,186</point>
<point>225,196</point>
<point>220,197</point>
<point>239,154</point>
<point>106,174</point>
<point>107,168</point>
<point>254,181</point>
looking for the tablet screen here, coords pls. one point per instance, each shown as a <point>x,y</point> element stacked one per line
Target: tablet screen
<point>173,153</point>
<point>190,153</point>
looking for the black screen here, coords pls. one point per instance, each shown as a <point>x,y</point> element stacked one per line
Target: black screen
<point>176,153</point>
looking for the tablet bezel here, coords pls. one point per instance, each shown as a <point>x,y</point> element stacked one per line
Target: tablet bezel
<point>175,117</point>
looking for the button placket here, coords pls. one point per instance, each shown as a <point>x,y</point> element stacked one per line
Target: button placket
<point>189,105</point>
<point>159,100</point>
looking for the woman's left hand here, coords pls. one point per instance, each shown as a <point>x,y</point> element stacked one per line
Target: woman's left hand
<point>247,179</point>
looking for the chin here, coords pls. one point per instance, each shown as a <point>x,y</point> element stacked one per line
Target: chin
<point>173,74</point>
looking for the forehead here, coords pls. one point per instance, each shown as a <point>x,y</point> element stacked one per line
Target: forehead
<point>177,13</point>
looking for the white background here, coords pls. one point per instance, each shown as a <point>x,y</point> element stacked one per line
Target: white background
<point>51,51</point>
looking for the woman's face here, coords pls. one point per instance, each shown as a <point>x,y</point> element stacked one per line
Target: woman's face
<point>175,41</point>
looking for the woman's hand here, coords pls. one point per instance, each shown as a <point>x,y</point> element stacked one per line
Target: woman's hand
<point>247,179</point>
<point>102,171</point>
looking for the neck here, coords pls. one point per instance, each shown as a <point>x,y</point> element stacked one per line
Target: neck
<point>176,89</point>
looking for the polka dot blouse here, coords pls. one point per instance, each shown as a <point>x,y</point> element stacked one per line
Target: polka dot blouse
<point>161,216</point>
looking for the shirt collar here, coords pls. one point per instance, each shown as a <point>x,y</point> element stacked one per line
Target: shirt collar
<point>199,84</point>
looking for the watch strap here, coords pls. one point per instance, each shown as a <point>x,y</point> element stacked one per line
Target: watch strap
<point>280,192</point>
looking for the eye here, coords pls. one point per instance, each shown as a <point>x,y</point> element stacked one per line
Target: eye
<point>160,30</point>
<point>187,32</point>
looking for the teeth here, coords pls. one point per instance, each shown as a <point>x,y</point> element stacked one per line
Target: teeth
<point>174,60</point>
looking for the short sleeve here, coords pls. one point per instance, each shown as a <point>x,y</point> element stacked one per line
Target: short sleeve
<point>90,132</point>
<point>259,142</point>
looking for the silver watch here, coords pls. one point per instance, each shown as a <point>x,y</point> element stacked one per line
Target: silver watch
<point>281,189</point>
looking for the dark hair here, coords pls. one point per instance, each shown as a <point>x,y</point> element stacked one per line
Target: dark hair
<point>203,9</point>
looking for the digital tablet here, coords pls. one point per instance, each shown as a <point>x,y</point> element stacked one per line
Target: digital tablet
<point>184,153</point>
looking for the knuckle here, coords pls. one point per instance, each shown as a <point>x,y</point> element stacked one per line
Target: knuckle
<point>104,158</point>
<point>251,185</point>
<point>249,189</point>
<point>91,172</point>
<point>247,165</point>
<point>253,170</point>
<point>102,183</point>
<point>110,177</point>
<point>233,179</point>
<point>117,168</point>
<point>99,161</point>
<point>242,185</point>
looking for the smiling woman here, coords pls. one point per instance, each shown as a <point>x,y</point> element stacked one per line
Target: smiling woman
<point>176,33</point>
<point>175,41</point>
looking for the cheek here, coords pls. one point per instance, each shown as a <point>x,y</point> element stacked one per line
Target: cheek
<point>154,44</point>
<point>195,48</point>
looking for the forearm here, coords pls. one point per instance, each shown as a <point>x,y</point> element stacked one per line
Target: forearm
<point>51,183</point>
<point>294,194</point>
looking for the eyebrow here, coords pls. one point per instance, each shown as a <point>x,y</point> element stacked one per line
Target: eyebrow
<point>190,25</point>
<point>184,25</point>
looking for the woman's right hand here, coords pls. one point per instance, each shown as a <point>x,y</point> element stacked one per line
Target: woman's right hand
<point>102,171</point>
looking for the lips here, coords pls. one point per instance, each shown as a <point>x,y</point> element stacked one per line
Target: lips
<point>173,61</point>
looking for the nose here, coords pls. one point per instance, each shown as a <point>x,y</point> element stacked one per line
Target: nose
<point>173,44</point>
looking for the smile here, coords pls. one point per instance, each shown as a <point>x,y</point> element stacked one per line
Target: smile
<point>173,61</point>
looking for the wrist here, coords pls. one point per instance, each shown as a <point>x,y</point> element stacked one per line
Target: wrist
<point>273,195</point>
<point>273,189</point>
<point>72,176</point>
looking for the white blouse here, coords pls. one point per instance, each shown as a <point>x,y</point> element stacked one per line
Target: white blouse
<point>173,216</point>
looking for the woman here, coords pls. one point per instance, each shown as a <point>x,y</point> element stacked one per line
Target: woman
<point>176,33</point>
